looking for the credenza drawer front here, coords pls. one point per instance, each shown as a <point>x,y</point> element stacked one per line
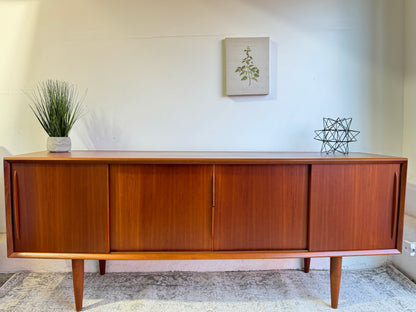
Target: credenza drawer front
<point>60,207</point>
<point>160,207</point>
<point>260,207</point>
<point>354,206</point>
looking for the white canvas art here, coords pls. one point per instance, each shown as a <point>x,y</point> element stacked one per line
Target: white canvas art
<point>247,66</point>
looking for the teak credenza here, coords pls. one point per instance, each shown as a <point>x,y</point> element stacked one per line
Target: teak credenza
<point>203,205</point>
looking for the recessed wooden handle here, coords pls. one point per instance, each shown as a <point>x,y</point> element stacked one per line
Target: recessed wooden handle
<point>213,185</point>
<point>16,205</point>
<point>395,203</point>
<point>213,203</point>
<point>212,223</point>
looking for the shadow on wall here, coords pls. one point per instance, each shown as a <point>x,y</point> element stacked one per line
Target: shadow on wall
<point>3,153</point>
<point>101,133</point>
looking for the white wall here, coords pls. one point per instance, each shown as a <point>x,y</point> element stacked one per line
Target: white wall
<point>409,133</point>
<point>406,263</point>
<point>155,74</point>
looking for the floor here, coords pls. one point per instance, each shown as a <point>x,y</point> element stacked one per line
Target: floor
<point>383,289</point>
<point>4,277</point>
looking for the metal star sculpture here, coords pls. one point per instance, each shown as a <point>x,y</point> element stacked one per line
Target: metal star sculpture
<point>336,135</point>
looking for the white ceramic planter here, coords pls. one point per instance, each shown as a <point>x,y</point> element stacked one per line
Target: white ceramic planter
<point>59,144</point>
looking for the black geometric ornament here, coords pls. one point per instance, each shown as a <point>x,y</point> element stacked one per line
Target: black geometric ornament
<point>336,135</point>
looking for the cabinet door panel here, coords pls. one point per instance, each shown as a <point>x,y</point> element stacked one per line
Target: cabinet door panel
<point>260,207</point>
<point>160,207</point>
<point>61,207</point>
<point>353,207</point>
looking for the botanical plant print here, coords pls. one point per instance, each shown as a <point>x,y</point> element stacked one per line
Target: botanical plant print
<point>248,71</point>
<point>247,67</point>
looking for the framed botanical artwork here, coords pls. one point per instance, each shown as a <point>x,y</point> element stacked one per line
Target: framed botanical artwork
<point>247,66</point>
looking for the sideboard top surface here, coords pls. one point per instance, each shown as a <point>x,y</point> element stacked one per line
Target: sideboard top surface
<point>203,157</point>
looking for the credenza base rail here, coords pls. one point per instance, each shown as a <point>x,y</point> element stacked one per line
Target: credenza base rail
<point>202,255</point>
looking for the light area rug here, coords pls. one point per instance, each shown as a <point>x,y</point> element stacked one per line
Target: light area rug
<point>381,289</point>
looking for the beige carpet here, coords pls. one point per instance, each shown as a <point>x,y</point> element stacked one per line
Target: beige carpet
<point>380,290</point>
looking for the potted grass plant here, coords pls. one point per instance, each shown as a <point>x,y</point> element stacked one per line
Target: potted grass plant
<point>57,106</point>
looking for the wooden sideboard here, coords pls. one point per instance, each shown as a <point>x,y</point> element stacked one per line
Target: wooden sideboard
<point>203,205</point>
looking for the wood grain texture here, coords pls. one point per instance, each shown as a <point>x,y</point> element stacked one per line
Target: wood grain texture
<point>63,207</point>
<point>400,225</point>
<point>196,157</point>
<point>260,207</point>
<point>306,264</point>
<point>203,205</point>
<point>352,207</point>
<point>160,207</point>
<point>395,205</point>
<point>195,255</point>
<point>78,282</point>
<point>102,158</point>
<point>335,276</point>
<point>102,264</point>
<point>8,206</point>
<point>16,214</point>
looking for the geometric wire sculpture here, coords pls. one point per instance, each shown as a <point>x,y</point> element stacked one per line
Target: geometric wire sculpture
<point>336,135</point>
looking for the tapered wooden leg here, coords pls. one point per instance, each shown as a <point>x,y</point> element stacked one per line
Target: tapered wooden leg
<point>336,268</point>
<point>102,266</point>
<point>78,280</point>
<point>306,264</point>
